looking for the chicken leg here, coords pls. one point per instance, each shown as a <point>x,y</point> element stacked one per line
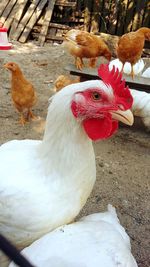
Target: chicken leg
<point>122,67</point>
<point>30,115</point>
<point>92,62</point>
<point>132,72</point>
<point>79,63</point>
<point>22,120</point>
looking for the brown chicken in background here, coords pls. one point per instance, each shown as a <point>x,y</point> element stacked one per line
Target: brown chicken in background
<point>130,46</point>
<point>82,44</point>
<point>63,81</point>
<point>22,92</point>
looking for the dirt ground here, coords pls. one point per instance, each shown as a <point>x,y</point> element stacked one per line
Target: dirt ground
<point>123,162</point>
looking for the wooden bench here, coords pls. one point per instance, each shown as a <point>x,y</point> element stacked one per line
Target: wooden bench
<point>139,83</point>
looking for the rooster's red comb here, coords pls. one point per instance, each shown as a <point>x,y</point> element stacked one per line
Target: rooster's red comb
<point>114,79</point>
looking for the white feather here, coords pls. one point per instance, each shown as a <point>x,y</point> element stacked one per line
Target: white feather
<point>137,68</point>
<point>141,106</point>
<point>96,240</point>
<point>44,184</point>
<point>116,63</point>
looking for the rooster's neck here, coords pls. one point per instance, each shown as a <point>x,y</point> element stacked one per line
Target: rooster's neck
<point>144,31</point>
<point>18,77</point>
<point>65,145</point>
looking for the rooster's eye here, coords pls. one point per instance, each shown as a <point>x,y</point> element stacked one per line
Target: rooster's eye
<point>96,96</point>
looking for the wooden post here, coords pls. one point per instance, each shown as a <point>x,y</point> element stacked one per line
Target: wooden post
<point>87,14</point>
<point>3,5</point>
<point>129,16</point>
<point>25,19</point>
<point>113,17</point>
<point>47,20</point>
<point>95,19</point>
<point>20,8</point>
<point>104,15</point>
<point>7,10</point>
<point>146,16</point>
<point>123,16</point>
<point>10,18</point>
<point>137,20</point>
<point>32,21</point>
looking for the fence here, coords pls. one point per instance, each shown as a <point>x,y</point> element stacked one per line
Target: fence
<point>50,19</point>
<point>115,16</point>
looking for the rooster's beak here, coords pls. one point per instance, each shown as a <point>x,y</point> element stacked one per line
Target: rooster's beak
<point>124,116</point>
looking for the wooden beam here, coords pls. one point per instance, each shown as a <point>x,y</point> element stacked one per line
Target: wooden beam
<point>49,37</point>
<point>10,18</point>
<point>113,17</point>
<point>140,83</point>
<point>56,25</point>
<point>65,3</point>
<point>55,38</point>
<point>59,26</point>
<point>52,32</point>
<point>146,16</point>
<point>128,17</point>
<point>139,12</point>
<point>104,15</point>
<point>87,14</point>
<point>25,19</point>
<point>3,5</point>
<point>95,17</point>
<point>32,21</point>
<point>47,20</point>
<point>123,14</point>
<point>7,10</point>
<point>20,8</point>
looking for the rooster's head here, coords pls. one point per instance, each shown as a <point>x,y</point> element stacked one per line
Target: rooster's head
<point>102,104</point>
<point>12,66</point>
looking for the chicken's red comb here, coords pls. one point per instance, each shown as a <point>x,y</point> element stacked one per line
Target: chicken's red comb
<point>114,79</point>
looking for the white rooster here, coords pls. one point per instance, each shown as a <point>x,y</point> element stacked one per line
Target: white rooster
<point>137,68</point>
<point>141,99</point>
<point>97,240</point>
<point>141,106</point>
<point>45,184</point>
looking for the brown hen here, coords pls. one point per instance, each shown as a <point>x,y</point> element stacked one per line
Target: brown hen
<point>130,46</point>
<point>22,92</point>
<point>82,44</point>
